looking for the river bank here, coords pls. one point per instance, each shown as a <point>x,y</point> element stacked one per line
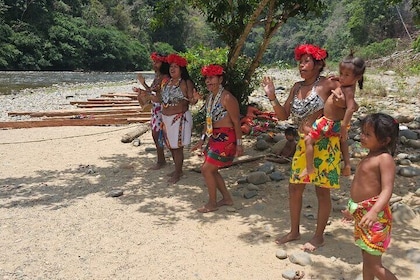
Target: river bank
<point>59,219</point>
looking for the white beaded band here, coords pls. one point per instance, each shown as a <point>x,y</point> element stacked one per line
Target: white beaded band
<point>203,137</point>
<point>239,142</point>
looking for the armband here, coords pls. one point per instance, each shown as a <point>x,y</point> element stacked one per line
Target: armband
<point>239,142</point>
<point>203,137</point>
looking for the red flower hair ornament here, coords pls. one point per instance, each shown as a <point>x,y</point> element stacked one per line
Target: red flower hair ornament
<point>178,60</point>
<point>212,70</point>
<point>156,57</point>
<point>316,52</point>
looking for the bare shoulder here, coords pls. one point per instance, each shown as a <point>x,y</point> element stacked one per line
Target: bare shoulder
<point>227,95</point>
<point>328,84</point>
<point>347,91</point>
<point>386,158</point>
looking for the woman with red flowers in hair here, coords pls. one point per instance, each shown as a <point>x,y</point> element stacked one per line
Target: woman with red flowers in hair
<point>176,95</point>
<point>305,103</point>
<point>161,68</point>
<point>223,129</point>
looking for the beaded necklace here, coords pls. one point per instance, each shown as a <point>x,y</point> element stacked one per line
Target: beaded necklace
<point>211,104</point>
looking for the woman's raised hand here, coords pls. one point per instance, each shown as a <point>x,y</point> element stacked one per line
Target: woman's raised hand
<point>268,86</point>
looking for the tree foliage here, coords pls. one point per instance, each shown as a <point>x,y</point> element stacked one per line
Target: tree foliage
<point>112,34</point>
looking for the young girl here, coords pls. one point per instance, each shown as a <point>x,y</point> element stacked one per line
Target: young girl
<point>371,191</point>
<point>336,117</point>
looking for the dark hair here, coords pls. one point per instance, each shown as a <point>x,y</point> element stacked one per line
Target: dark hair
<point>164,68</point>
<point>358,65</point>
<point>384,127</point>
<point>290,131</point>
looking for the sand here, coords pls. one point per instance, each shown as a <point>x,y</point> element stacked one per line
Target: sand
<point>59,222</point>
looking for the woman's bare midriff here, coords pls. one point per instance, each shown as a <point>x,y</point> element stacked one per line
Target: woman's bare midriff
<point>306,124</point>
<point>225,122</point>
<point>181,107</point>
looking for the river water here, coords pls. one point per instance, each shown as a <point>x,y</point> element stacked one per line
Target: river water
<point>14,81</point>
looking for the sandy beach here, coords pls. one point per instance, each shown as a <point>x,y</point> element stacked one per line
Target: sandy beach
<point>59,219</point>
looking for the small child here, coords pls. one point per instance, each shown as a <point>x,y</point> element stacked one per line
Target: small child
<point>371,191</point>
<point>336,119</point>
<point>290,148</point>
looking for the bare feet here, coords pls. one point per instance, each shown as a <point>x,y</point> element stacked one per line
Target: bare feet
<point>175,178</point>
<point>287,238</point>
<point>224,202</point>
<point>157,166</point>
<point>172,174</point>
<point>346,171</point>
<point>207,208</point>
<point>306,172</point>
<point>313,244</point>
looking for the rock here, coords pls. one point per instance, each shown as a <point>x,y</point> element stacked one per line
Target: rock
<point>390,73</point>
<point>115,193</point>
<point>281,254</point>
<point>414,157</point>
<point>414,255</point>
<point>267,167</point>
<point>310,216</point>
<point>242,180</point>
<point>237,193</point>
<point>230,209</point>
<point>277,176</point>
<point>278,147</point>
<point>257,178</point>
<point>278,137</point>
<point>261,145</point>
<point>401,156</point>
<point>404,119</point>
<point>301,258</point>
<point>136,142</point>
<point>394,199</point>
<point>292,274</point>
<point>250,194</point>
<point>402,213</point>
<point>408,171</point>
<point>252,187</point>
<point>410,142</point>
<point>266,137</point>
<point>409,134</point>
<point>405,162</point>
<point>414,125</point>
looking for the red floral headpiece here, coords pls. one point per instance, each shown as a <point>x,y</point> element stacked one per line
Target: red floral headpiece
<point>212,70</point>
<point>316,52</point>
<point>178,60</point>
<point>156,57</point>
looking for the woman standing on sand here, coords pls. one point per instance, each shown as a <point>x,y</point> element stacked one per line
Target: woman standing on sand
<point>176,95</point>
<point>161,68</point>
<point>225,137</point>
<point>305,103</point>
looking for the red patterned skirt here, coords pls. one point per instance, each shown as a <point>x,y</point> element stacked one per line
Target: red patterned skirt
<point>221,148</point>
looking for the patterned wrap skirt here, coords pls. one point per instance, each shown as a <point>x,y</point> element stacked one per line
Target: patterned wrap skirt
<point>177,130</point>
<point>374,240</point>
<point>156,118</point>
<point>327,158</point>
<point>221,148</point>
<point>323,126</point>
